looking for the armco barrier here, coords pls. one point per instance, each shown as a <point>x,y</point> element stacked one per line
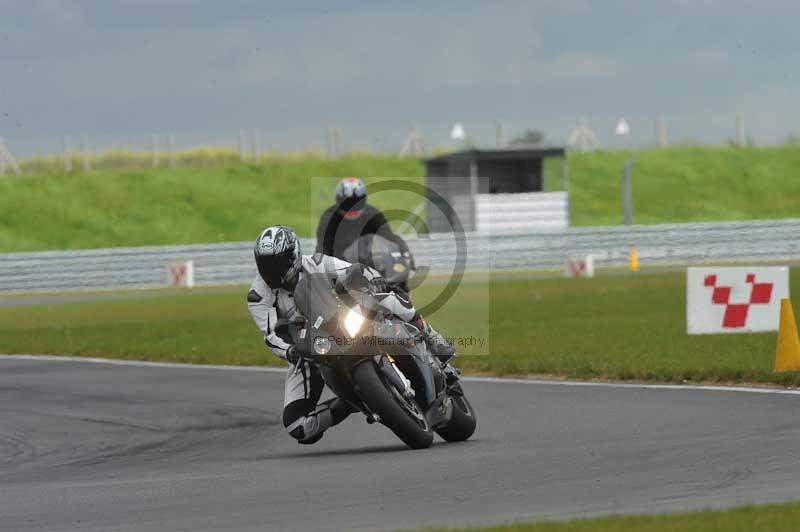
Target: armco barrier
<point>777,240</point>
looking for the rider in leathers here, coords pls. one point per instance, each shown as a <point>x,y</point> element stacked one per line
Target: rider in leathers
<point>350,218</point>
<point>270,300</point>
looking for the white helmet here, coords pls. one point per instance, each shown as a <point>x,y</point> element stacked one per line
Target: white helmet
<point>278,258</point>
<point>351,197</point>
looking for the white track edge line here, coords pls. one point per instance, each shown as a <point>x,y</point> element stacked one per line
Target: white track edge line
<point>494,380</point>
<point>140,363</point>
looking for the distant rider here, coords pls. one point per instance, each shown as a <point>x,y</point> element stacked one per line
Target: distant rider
<point>351,218</point>
<point>270,299</point>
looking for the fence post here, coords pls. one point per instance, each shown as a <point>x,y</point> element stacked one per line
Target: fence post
<point>661,132</point>
<point>333,142</point>
<point>67,156</point>
<point>627,191</point>
<point>242,145</point>
<point>741,137</point>
<point>154,145</point>
<point>171,148</point>
<point>85,151</point>
<point>255,145</point>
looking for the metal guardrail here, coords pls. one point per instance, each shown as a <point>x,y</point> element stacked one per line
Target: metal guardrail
<point>669,244</point>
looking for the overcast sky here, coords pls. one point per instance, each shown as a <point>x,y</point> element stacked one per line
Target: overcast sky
<point>204,69</point>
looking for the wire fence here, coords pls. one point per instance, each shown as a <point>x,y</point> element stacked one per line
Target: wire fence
<point>77,151</point>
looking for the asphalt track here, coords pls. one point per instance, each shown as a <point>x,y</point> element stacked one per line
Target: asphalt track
<point>87,446</point>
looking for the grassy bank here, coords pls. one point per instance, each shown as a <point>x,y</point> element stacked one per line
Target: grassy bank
<point>175,206</point>
<point>207,203</point>
<point>622,327</point>
<point>772,518</point>
<point>685,185</point>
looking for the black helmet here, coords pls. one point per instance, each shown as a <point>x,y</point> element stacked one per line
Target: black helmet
<point>351,197</point>
<point>278,258</point>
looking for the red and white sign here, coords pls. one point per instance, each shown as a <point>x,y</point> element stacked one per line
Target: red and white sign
<point>580,266</point>
<point>180,274</point>
<point>733,300</point>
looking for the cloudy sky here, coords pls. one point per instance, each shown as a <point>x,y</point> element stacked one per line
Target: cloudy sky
<point>122,69</point>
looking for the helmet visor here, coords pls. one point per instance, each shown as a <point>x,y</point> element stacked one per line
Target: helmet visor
<point>273,268</point>
<point>352,205</point>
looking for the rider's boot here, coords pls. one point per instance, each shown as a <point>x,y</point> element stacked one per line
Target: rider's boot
<point>437,345</point>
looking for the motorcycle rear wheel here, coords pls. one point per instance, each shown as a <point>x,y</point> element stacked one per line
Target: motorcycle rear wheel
<point>402,416</point>
<point>462,424</point>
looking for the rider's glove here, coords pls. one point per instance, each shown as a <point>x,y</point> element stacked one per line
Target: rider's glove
<point>379,285</point>
<point>294,355</point>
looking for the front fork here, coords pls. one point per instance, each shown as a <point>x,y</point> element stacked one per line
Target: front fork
<point>395,377</point>
<point>439,412</point>
<point>390,370</point>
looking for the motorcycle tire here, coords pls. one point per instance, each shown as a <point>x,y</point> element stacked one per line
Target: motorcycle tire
<point>462,424</point>
<point>383,400</point>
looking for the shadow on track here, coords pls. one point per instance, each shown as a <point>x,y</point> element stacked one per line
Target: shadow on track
<point>337,452</point>
<point>387,449</point>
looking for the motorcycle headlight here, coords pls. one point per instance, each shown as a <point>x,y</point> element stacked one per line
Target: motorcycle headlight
<point>353,322</point>
<point>322,345</point>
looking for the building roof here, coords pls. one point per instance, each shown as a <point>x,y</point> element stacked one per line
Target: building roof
<point>502,154</point>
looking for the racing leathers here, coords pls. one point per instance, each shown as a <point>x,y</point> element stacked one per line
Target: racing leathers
<point>303,416</point>
<point>335,232</point>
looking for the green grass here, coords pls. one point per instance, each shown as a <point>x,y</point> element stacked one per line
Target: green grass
<point>627,327</point>
<point>772,518</point>
<point>684,185</point>
<point>120,206</point>
<point>177,206</point>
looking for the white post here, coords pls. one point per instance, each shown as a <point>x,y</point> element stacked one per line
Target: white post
<point>589,269</point>
<point>85,151</point>
<point>189,274</point>
<point>661,132</point>
<point>67,155</point>
<point>741,137</point>
<point>498,134</point>
<point>171,148</point>
<point>154,146</point>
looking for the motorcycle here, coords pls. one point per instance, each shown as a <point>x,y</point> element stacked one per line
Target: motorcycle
<point>378,364</point>
<point>383,255</point>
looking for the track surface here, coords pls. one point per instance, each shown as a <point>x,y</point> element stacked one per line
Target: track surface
<point>101,447</point>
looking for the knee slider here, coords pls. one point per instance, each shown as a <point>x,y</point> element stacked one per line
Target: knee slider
<point>297,433</point>
<point>295,420</point>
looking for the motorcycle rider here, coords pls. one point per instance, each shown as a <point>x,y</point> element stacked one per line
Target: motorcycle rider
<point>350,218</point>
<point>270,300</point>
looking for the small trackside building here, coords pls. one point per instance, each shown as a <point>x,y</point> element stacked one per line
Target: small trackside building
<point>499,190</point>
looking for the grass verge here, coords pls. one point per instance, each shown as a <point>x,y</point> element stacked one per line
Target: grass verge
<point>627,327</point>
<point>771,518</point>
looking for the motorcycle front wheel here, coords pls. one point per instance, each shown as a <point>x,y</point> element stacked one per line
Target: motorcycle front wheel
<point>402,416</point>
